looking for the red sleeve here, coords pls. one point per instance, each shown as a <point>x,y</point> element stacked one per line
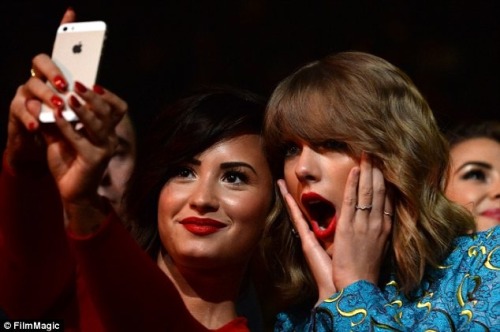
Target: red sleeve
<point>128,289</point>
<point>239,324</point>
<point>36,268</point>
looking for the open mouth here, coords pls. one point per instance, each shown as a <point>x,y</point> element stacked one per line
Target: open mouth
<point>321,213</point>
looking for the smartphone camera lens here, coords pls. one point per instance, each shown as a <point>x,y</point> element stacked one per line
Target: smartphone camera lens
<point>65,29</point>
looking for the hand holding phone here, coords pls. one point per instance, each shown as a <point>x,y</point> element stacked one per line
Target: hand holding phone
<point>77,52</point>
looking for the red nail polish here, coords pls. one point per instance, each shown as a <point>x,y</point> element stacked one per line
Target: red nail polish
<point>80,87</point>
<point>74,102</point>
<point>31,127</point>
<point>60,83</point>
<point>98,89</point>
<point>57,102</point>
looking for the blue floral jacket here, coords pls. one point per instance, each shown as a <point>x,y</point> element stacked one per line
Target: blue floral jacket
<point>461,295</point>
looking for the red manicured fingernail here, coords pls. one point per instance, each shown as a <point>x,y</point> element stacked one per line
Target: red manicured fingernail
<point>57,102</point>
<point>80,87</point>
<point>60,83</point>
<point>31,126</point>
<point>74,102</point>
<point>98,89</point>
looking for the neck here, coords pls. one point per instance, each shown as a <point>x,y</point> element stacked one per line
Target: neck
<point>209,294</point>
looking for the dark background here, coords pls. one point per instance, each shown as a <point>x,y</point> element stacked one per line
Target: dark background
<point>158,50</point>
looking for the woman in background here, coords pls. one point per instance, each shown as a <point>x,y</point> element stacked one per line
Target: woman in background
<point>474,176</point>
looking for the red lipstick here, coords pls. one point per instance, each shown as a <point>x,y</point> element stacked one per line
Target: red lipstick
<point>201,226</point>
<point>321,214</point>
<point>492,213</point>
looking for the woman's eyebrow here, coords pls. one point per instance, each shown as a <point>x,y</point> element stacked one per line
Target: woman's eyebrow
<point>235,164</point>
<point>475,163</point>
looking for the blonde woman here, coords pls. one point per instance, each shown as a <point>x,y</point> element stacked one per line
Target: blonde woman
<point>364,170</point>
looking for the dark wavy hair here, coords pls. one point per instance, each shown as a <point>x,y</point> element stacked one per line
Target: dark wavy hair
<point>479,129</point>
<point>182,130</point>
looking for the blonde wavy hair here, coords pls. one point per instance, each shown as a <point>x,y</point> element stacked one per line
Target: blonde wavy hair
<point>373,106</point>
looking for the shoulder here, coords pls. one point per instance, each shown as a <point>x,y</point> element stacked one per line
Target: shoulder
<point>295,318</point>
<point>476,252</point>
<point>488,238</point>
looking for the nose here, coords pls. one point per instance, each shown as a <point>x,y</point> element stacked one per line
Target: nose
<point>307,168</point>
<point>105,183</point>
<point>204,197</point>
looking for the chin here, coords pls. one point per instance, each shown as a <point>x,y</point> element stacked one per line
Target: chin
<point>483,224</point>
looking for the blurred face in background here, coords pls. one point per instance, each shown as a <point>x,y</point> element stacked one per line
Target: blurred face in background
<point>474,179</point>
<point>120,166</point>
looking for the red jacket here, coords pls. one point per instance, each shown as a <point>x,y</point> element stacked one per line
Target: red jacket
<point>103,282</point>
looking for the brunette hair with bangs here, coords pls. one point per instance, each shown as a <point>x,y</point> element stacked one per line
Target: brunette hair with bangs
<point>181,131</point>
<point>372,106</point>
<point>479,129</point>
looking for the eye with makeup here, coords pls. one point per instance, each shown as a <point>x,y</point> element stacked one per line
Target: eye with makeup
<point>121,152</point>
<point>183,173</point>
<point>235,177</point>
<point>475,174</point>
<point>290,149</point>
<point>333,145</point>
<point>123,149</point>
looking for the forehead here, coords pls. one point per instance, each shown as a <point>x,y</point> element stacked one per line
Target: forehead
<point>476,149</point>
<point>248,147</point>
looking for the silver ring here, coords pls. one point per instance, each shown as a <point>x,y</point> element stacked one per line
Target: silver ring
<point>294,233</point>
<point>363,207</point>
<point>33,73</point>
<point>388,214</point>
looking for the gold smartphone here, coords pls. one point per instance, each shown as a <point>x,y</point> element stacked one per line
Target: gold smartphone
<point>77,52</point>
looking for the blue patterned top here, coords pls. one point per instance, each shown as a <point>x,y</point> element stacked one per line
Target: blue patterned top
<point>461,295</point>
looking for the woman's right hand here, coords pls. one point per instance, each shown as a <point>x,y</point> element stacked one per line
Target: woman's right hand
<point>320,263</point>
<point>76,155</point>
<point>25,150</point>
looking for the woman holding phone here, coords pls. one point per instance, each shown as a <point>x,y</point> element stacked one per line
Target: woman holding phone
<point>70,257</point>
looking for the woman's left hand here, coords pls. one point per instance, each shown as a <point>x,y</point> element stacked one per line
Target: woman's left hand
<point>361,236</point>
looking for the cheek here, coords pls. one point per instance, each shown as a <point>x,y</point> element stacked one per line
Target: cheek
<point>128,166</point>
<point>462,193</point>
<point>290,178</point>
<point>336,177</point>
<point>120,170</point>
<point>169,201</point>
<point>250,210</point>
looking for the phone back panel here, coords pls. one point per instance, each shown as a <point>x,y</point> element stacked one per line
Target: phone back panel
<point>77,52</point>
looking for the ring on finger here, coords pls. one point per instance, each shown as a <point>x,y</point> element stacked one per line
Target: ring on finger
<point>33,73</point>
<point>78,126</point>
<point>388,214</point>
<point>363,207</point>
